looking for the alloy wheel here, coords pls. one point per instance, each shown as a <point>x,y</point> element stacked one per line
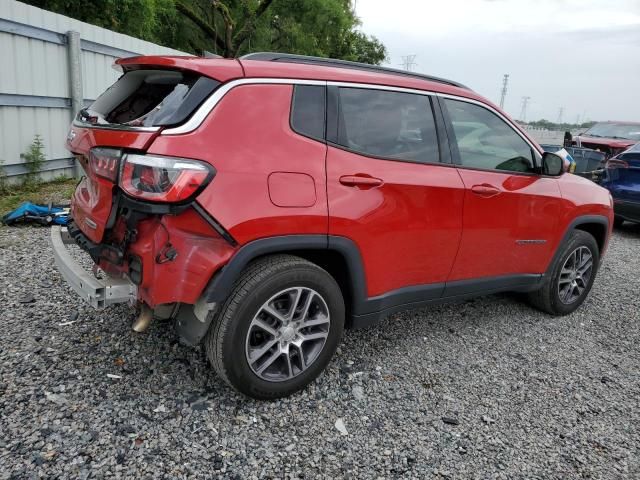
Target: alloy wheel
<point>287,334</point>
<point>575,275</point>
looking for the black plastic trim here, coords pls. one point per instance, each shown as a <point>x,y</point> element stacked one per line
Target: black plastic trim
<point>441,130</point>
<point>95,250</point>
<point>404,296</point>
<point>332,114</point>
<point>581,220</point>
<point>202,88</point>
<point>364,310</point>
<point>475,286</point>
<point>214,224</point>
<point>143,206</point>
<point>222,283</point>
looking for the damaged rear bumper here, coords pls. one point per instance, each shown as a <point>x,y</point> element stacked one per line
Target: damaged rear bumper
<point>99,293</point>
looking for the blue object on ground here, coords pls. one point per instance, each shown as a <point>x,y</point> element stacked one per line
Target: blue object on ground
<point>29,212</point>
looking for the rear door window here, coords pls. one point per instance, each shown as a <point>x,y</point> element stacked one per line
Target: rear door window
<point>388,124</point>
<point>150,98</point>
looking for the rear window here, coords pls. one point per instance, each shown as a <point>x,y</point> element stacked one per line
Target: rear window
<point>308,111</point>
<point>150,98</point>
<point>386,124</point>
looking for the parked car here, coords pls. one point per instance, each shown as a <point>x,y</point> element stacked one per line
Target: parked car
<point>266,203</point>
<point>622,178</point>
<point>610,138</point>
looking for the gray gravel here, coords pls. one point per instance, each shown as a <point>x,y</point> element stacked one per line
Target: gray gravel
<point>486,389</point>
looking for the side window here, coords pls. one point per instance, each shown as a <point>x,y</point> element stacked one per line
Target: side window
<point>308,111</point>
<point>387,124</point>
<point>485,141</point>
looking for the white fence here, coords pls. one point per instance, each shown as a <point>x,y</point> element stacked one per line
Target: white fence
<point>40,53</point>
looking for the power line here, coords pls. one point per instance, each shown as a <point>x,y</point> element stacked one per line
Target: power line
<point>503,93</point>
<point>408,62</point>
<point>523,111</point>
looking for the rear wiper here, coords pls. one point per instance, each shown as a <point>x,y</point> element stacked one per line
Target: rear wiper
<point>620,138</point>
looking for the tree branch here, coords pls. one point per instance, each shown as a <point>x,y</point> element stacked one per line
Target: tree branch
<point>250,25</point>
<point>207,29</point>
<point>228,26</point>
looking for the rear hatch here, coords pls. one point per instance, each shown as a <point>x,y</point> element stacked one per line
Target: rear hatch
<point>126,117</point>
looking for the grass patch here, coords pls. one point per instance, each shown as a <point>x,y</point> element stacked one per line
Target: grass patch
<point>55,191</point>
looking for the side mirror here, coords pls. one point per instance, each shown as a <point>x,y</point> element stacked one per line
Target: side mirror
<point>555,164</point>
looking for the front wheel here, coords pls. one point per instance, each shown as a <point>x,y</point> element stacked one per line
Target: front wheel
<point>278,329</point>
<point>571,276</point>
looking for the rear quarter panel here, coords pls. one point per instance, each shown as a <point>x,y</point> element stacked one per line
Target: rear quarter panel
<point>247,138</point>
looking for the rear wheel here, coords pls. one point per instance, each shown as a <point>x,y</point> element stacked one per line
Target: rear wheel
<point>278,329</point>
<point>569,281</point>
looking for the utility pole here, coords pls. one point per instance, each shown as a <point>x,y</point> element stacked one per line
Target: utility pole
<point>560,112</point>
<point>503,93</point>
<point>523,112</point>
<point>408,62</point>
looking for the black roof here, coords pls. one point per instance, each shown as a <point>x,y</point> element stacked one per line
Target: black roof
<point>332,62</point>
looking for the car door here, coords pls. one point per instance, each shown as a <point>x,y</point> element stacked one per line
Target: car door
<point>389,191</point>
<point>510,211</point>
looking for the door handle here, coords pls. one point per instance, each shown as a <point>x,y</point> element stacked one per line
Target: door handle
<point>360,181</point>
<point>485,190</point>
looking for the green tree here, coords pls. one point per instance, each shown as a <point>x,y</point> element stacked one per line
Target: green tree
<point>138,18</point>
<point>327,28</point>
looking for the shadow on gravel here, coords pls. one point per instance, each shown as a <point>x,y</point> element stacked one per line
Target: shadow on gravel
<point>628,230</point>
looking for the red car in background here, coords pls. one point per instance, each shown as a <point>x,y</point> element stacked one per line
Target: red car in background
<point>610,138</point>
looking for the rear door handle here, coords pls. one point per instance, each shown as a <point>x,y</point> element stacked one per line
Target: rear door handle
<point>485,190</point>
<point>360,181</point>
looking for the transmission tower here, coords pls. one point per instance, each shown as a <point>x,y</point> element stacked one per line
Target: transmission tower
<point>503,93</point>
<point>560,112</point>
<point>408,62</point>
<point>523,112</point>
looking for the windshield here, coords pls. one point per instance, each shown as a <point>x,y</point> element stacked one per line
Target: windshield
<point>149,98</point>
<point>625,131</point>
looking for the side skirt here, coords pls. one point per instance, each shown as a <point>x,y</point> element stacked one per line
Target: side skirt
<point>433,294</point>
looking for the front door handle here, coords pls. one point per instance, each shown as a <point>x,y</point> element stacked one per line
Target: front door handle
<point>360,181</point>
<point>485,190</point>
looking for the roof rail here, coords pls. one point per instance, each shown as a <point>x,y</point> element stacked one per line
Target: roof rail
<point>332,62</point>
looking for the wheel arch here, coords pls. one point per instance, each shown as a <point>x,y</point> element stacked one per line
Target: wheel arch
<point>595,225</point>
<point>597,229</point>
<point>339,256</point>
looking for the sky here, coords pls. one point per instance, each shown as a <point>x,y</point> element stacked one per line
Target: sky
<point>581,56</point>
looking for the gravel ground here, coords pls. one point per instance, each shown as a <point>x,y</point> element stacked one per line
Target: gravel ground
<point>486,389</point>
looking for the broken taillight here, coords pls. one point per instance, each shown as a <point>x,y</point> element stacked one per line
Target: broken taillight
<point>105,162</point>
<point>163,179</point>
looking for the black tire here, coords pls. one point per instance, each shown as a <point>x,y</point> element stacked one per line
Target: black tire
<point>617,222</point>
<point>226,339</point>
<point>547,298</point>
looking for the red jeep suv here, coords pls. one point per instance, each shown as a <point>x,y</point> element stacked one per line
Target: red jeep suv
<point>266,203</point>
